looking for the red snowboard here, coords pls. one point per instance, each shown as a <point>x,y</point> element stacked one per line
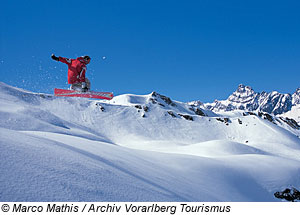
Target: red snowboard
<point>89,94</point>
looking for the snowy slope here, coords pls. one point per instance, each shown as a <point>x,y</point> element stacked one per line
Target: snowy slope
<point>139,148</point>
<point>294,113</point>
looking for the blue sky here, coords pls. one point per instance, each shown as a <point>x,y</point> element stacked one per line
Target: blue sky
<point>187,50</point>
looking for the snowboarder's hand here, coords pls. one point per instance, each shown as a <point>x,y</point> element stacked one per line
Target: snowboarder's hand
<point>54,57</point>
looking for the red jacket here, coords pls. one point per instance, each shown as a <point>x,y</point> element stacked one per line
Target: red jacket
<point>76,69</point>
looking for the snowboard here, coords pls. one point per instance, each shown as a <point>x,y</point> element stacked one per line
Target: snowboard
<point>89,94</point>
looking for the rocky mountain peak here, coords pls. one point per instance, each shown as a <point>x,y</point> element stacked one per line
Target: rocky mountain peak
<point>245,98</point>
<point>244,89</point>
<point>296,97</point>
<point>243,94</point>
<point>275,102</point>
<point>195,103</point>
<point>158,98</point>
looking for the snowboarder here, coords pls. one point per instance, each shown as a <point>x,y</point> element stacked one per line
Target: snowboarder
<point>76,72</point>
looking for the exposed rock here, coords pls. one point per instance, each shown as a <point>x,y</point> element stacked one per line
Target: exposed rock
<point>245,98</point>
<point>291,122</point>
<point>219,119</point>
<point>275,102</point>
<point>166,99</point>
<point>138,106</point>
<point>289,194</point>
<point>267,117</point>
<point>146,108</point>
<point>199,112</point>
<point>187,117</point>
<point>154,101</point>
<point>225,120</point>
<point>296,97</point>
<point>195,103</point>
<point>249,113</point>
<point>171,113</point>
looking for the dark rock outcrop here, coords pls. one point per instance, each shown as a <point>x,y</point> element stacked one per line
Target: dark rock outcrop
<point>289,194</point>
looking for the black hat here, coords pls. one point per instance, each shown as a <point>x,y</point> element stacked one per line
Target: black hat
<point>86,57</point>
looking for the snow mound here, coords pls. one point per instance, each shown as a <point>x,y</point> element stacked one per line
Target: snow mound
<point>129,99</point>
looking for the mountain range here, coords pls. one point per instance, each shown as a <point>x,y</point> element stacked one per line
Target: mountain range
<point>246,99</point>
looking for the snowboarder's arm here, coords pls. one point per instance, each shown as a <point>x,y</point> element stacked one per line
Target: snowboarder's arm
<point>61,59</point>
<point>54,57</point>
<point>81,76</point>
<point>67,61</point>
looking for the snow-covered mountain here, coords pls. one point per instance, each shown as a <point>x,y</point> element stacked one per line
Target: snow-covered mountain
<point>246,99</point>
<point>142,148</point>
<point>296,97</point>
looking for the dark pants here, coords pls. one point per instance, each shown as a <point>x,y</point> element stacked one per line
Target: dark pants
<point>78,86</point>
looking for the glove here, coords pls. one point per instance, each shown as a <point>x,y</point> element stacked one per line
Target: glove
<point>54,57</point>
